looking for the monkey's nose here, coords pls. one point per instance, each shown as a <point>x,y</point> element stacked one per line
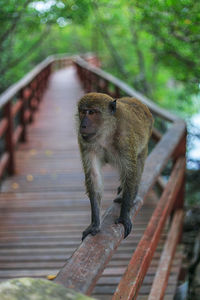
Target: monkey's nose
<point>83,126</point>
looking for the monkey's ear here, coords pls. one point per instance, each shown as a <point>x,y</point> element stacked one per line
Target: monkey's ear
<point>112,106</point>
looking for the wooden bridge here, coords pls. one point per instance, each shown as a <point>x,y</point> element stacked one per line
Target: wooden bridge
<point>43,205</point>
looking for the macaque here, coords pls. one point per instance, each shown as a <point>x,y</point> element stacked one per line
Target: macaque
<point>115,132</point>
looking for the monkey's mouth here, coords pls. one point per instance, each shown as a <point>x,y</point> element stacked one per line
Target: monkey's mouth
<point>87,136</point>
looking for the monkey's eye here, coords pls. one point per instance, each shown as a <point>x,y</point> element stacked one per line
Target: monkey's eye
<point>91,112</point>
<point>88,112</point>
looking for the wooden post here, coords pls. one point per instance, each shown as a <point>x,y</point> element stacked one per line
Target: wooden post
<point>22,119</point>
<point>117,92</point>
<point>105,88</point>
<point>8,138</point>
<point>85,80</point>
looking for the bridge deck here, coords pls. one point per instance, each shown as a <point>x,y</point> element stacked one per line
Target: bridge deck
<point>44,208</point>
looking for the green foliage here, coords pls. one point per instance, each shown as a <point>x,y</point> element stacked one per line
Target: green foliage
<point>153,45</point>
<point>25,25</point>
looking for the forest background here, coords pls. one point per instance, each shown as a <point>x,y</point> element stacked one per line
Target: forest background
<point>152,45</point>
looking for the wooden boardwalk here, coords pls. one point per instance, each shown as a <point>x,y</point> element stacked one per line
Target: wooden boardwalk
<point>44,208</point>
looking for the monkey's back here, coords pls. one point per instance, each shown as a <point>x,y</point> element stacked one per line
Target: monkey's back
<point>137,117</point>
<point>137,107</point>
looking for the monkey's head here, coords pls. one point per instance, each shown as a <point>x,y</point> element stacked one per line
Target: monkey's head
<point>94,110</point>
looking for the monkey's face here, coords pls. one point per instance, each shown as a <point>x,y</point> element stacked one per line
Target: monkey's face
<point>90,121</point>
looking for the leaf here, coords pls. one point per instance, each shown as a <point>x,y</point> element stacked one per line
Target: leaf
<point>51,277</point>
<point>15,185</point>
<point>29,178</point>
<point>33,152</point>
<point>49,153</point>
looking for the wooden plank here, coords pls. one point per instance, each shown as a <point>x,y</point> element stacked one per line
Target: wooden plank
<point>144,290</point>
<point>139,263</point>
<point>107,279</point>
<point>162,273</point>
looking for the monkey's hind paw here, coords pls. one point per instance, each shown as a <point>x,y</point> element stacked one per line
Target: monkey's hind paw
<point>127,225</point>
<point>92,229</point>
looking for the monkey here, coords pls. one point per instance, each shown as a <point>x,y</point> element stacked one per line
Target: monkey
<point>117,132</point>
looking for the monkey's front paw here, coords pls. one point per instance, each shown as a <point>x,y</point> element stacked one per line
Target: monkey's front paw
<point>127,225</point>
<point>92,229</point>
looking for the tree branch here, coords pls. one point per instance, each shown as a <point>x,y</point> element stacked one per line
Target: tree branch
<point>188,62</point>
<point>26,53</point>
<point>5,35</point>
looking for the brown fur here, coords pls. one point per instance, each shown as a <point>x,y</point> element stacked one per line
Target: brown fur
<point>121,139</point>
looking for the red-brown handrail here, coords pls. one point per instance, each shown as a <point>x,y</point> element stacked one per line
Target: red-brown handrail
<point>140,261</point>
<point>163,271</point>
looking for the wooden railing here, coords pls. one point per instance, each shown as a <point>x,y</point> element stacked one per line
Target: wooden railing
<point>87,263</point>
<point>17,107</point>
